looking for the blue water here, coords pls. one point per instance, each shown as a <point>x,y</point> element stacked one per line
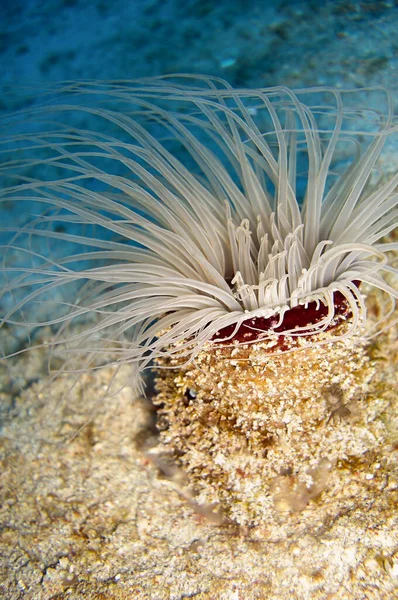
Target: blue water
<point>250,43</point>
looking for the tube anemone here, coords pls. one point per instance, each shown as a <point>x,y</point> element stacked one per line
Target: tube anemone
<point>223,211</point>
<point>197,226</point>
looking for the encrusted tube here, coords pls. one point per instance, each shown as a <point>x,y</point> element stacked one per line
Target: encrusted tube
<point>258,429</point>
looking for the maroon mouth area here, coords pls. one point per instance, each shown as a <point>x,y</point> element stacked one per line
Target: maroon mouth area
<point>300,316</point>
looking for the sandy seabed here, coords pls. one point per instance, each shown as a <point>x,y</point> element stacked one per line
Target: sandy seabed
<point>86,512</point>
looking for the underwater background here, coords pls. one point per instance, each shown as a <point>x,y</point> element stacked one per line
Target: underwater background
<point>250,43</point>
